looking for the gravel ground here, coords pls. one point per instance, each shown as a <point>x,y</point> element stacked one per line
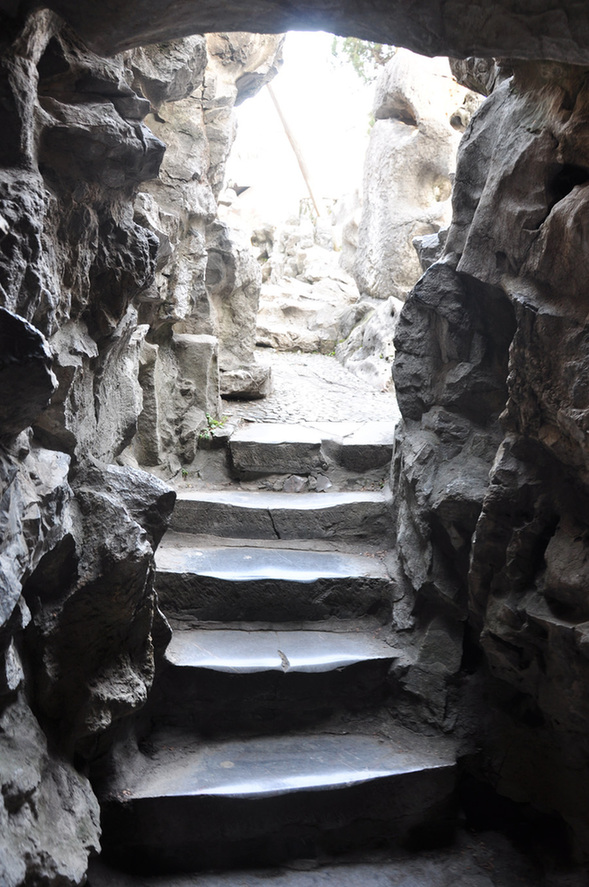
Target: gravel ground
<point>313,388</point>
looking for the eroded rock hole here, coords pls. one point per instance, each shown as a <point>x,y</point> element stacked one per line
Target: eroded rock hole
<point>564,180</point>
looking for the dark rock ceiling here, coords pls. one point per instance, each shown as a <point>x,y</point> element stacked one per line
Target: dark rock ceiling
<point>516,28</point>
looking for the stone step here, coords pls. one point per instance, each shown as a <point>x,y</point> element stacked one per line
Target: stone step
<point>243,678</point>
<point>271,448</point>
<point>283,515</point>
<point>358,446</point>
<point>268,584</point>
<point>246,649</point>
<point>193,806</point>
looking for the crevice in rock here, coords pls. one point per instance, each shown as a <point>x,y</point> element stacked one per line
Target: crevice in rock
<point>563,181</point>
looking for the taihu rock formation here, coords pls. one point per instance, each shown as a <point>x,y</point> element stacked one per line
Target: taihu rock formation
<point>489,481</point>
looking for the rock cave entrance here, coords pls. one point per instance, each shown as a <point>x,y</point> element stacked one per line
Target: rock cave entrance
<point>449,618</point>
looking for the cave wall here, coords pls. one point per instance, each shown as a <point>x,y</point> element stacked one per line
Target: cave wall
<point>92,243</point>
<point>490,463</point>
<point>490,468</point>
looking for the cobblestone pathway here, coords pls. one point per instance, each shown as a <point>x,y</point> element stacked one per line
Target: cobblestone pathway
<point>313,388</point>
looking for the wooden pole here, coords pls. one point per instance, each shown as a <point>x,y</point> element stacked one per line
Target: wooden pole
<point>295,147</point>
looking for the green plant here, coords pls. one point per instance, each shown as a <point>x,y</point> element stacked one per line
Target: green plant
<point>212,424</point>
<point>184,473</point>
<point>215,423</point>
<point>365,56</point>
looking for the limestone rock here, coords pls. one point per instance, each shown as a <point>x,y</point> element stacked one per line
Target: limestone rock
<point>472,343</point>
<point>247,383</point>
<point>94,415</point>
<point>180,381</point>
<point>240,63</point>
<point>148,500</point>
<point>49,818</point>
<point>233,281</point>
<point>99,575</point>
<point>430,247</point>
<point>26,379</point>
<point>480,75</point>
<point>368,349</point>
<point>169,72</point>
<point>408,171</point>
<point>507,290</point>
<point>206,284</point>
<point>35,494</point>
<point>305,292</point>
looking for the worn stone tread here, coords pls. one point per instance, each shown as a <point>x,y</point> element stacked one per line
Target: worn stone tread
<point>269,766</point>
<point>247,564</point>
<point>249,649</point>
<point>261,515</point>
<point>253,584</point>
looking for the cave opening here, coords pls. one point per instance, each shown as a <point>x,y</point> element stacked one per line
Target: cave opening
<point>380,651</point>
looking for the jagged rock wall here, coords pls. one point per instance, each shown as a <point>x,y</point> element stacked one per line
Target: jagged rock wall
<point>78,611</point>
<point>201,307</point>
<point>491,464</point>
<point>84,308</point>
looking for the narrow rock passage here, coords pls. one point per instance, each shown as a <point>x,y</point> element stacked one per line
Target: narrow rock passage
<point>258,756</point>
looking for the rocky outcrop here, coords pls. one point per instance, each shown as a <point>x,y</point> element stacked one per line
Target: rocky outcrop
<point>305,291</point>
<point>207,284</point>
<point>491,463</point>
<point>408,171</point>
<point>97,265</point>
<point>49,818</point>
<point>419,113</point>
<point>77,613</point>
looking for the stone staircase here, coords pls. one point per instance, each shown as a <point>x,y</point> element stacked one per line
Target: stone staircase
<point>269,736</point>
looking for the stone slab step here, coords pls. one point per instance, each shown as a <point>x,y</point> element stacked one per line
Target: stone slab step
<point>358,446</point>
<point>268,584</point>
<point>272,448</point>
<point>246,679</point>
<point>265,800</point>
<point>248,650</point>
<point>269,448</point>
<point>283,515</point>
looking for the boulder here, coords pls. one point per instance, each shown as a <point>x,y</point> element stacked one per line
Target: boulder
<point>248,383</point>
<point>368,349</point>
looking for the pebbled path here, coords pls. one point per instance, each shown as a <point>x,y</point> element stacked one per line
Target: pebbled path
<point>313,388</point>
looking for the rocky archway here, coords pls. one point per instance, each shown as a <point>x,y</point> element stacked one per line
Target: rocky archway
<point>77,534</point>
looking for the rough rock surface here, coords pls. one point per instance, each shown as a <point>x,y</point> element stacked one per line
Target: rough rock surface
<point>547,31</point>
<point>305,291</point>
<point>491,466</point>
<point>49,819</point>
<point>365,339</point>
<point>206,283</point>
<point>408,171</point>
